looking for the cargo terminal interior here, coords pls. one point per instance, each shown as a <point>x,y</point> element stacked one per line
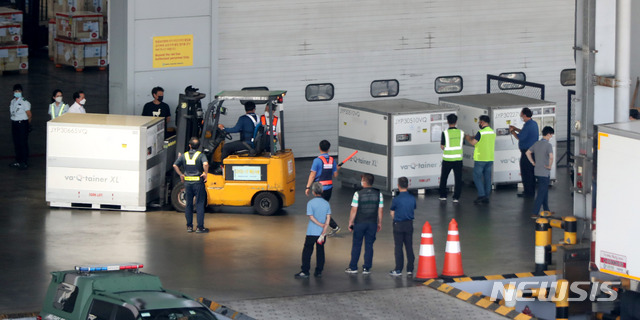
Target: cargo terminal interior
<point>247,261</point>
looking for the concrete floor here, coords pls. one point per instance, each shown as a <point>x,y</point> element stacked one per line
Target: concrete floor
<point>245,256</point>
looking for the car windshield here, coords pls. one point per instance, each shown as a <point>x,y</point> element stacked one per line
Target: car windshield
<point>178,314</point>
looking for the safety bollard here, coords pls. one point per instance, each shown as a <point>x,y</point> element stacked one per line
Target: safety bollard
<point>562,299</point>
<point>509,295</point>
<point>542,240</point>
<point>570,230</point>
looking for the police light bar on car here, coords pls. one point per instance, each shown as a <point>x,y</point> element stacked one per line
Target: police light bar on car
<point>117,267</point>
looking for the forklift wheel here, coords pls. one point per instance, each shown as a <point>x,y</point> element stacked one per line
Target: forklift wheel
<point>266,203</point>
<point>177,197</point>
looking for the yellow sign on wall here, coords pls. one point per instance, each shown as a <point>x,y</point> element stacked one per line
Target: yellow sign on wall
<point>173,51</point>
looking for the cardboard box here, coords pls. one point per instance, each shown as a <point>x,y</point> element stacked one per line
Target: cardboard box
<point>15,57</point>
<point>82,25</point>
<point>68,6</point>
<point>11,15</point>
<point>80,54</point>
<point>10,33</point>
<point>99,6</point>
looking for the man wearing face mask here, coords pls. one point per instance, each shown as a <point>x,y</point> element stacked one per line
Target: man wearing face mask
<point>78,105</point>
<point>526,136</point>
<point>157,108</point>
<point>192,167</point>
<point>483,155</point>
<point>20,110</point>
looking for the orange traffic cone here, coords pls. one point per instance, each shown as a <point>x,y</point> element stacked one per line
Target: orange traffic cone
<point>452,255</point>
<point>427,260</point>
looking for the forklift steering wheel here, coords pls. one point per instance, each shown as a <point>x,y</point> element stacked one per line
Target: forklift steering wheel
<point>227,135</point>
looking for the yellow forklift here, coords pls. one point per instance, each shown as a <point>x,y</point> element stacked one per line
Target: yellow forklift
<point>264,180</point>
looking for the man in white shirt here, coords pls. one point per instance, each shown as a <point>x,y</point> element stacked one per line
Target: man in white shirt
<point>78,105</point>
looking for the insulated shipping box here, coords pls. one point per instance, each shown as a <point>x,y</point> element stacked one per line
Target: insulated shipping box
<point>503,110</point>
<point>394,138</point>
<point>104,161</point>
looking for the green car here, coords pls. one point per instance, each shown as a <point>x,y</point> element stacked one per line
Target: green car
<point>119,292</point>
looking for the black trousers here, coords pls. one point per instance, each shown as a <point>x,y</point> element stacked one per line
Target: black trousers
<point>326,194</point>
<point>403,235</point>
<point>526,172</point>
<point>20,133</point>
<point>232,147</point>
<point>447,166</point>
<point>309,242</point>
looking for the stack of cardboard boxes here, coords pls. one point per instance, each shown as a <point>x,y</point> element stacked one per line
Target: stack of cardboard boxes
<point>14,56</point>
<point>77,34</point>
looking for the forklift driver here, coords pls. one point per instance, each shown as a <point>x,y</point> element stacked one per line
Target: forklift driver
<point>246,126</point>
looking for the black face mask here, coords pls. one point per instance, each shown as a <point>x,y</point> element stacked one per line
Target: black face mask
<point>160,98</point>
<point>194,146</point>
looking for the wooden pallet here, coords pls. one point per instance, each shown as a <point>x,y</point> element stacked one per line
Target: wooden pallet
<point>13,72</point>
<point>80,69</point>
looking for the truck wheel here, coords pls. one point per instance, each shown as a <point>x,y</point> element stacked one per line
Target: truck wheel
<point>266,203</point>
<point>177,197</point>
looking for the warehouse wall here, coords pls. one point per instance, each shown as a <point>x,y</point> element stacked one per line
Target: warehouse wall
<point>134,25</point>
<point>289,44</point>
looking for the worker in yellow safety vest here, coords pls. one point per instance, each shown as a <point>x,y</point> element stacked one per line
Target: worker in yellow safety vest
<point>195,167</point>
<point>57,107</point>
<point>484,142</point>
<point>451,145</point>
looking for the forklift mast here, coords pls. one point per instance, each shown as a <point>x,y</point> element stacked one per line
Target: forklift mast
<point>188,117</point>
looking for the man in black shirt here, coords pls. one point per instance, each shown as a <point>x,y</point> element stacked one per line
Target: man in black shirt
<point>157,108</point>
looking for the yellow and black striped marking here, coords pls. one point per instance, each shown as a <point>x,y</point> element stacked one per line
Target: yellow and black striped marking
<point>478,300</point>
<point>220,309</point>
<point>500,276</point>
<point>19,315</point>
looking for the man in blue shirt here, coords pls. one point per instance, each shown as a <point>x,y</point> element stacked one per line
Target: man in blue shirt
<point>246,126</point>
<point>401,211</point>
<point>319,213</point>
<point>323,169</point>
<point>526,136</point>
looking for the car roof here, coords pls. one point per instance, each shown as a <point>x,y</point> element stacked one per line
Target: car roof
<point>116,281</point>
<point>153,300</point>
<point>253,95</point>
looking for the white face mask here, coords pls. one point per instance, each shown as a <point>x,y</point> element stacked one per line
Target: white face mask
<point>58,99</point>
<point>83,101</point>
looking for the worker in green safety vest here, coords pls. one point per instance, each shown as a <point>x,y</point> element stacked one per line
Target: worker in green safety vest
<point>484,142</point>
<point>451,145</point>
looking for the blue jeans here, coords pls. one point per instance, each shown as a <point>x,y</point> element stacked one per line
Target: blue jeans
<point>542,198</point>
<point>368,232</point>
<point>482,177</point>
<point>197,190</point>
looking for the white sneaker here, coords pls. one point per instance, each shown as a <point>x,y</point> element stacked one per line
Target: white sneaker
<point>334,231</point>
<point>349,270</point>
<point>456,200</point>
<point>442,199</point>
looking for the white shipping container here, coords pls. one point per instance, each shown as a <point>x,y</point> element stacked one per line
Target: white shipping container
<point>616,236</point>
<point>503,110</point>
<point>104,161</point>
<point>394,138</point>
